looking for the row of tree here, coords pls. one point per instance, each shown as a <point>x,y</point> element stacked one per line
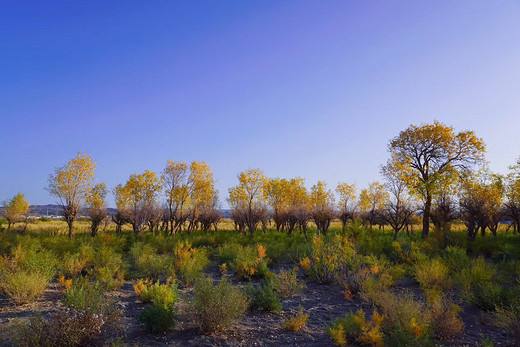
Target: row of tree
<point>433,172</point>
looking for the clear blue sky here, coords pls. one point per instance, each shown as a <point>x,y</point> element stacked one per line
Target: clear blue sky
<point>314,89</point>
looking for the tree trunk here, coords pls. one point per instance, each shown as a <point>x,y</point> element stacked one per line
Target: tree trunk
<point>426,216</point>
<point>70,223</point>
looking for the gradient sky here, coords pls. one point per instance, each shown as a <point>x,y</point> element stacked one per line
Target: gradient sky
<point>314,89</point>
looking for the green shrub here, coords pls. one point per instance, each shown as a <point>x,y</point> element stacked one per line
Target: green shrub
<point>217,307</point>
<point>400,336</point>
<point>189,262</point>
<point>286,283</point>
<point>354,327</point>
<point>246,261</point>
<point>148,263</point>
<point>22,286</point>
<point>491,296</point>
<point>164,295</point>
<point>433,277</point>
<point>108,267</point>
<point>158,319</point>
<point>264,298</point>
<point>329,259</point>
<point>456,258</point>
<point>478,273</point>
<point>74,263</point>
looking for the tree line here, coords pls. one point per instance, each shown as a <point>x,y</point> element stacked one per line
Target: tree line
<point>433,173</point>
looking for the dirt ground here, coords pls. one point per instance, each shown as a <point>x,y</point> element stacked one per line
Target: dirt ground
<point>322,302</point>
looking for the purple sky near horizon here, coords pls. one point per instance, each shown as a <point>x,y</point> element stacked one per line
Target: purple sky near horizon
<point>314,89</point>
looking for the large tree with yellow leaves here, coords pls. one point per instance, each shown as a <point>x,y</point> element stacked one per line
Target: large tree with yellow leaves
<point>430,156</point>
<point>70,184</point>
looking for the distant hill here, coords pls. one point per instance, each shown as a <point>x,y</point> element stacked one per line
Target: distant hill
<point>55,210</point>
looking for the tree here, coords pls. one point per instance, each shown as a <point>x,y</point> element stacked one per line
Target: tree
<point>203,195</point>
<point>346,202</point>
<point>96,206</point>
<point>512,194</point>
<point>322,202</point>
<point>248,198</point>
<point>70,184</point>
<point>15,209</point>
<point>372,202</point>
<point>139,195</point>
<point>189,191</point>
<point>481,197</point>
<point>399,207</point>
<point>284,197</point>
<point>122,204</point>
<point>176,187</point>
<point>430,156</point>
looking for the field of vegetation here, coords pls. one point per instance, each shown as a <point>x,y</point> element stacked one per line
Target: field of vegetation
<point>429,257</point>
<point>354,286</point>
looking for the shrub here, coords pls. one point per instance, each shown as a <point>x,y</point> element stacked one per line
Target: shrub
<point>216,307</point>
<point>264,298</point>
<point>108,267</point>
<point>164,295</point>
<point>251,262</point>
<point>403,316</point>
<point>478,273</point>
<point>286,283</point>
<point>158,319</point>
<point>400,336</point>
<point>148,263</point>
<point>65,327</point>
<point>189,262</point>
<point>433,277</point>
<point>445,320</point>
<point>455,258</point>
<point>329,259</point>
<point>297,322</point>
<point>74,263</point>
<point>491,296</point>
<point>355,328</point>
<point>22,286</point>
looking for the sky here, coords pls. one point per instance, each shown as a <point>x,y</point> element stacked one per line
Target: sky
<point>314,89</point>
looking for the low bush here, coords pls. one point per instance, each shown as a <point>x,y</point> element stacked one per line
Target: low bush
<point>491,296</point>
<point>65,327</point>
<point>355,328</point>
<point>74,263</point>
<point>444,318</point>
<point>433,277</point>
<point>108,267</point>
<point>264,297</point>
<point>405,318</point>
<point>217,307</point>
<point>23,287</point>
<point>478,273</point>
<point>164,295</point>
<point>329,259</point>
<point>148,263</point>
<point>286,283</point>
<point>158,319</point>
<point>297,322</point>
<point>189,262</point>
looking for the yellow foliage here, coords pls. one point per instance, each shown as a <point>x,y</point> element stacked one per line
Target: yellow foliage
<point>371,336</point>
<point>339,335</point>
<point>417,329</point>
<point>14,209</point>
<point>65,283</point>
<point>261,251</point>
<point>305,263</point>
<point>297,322</point>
